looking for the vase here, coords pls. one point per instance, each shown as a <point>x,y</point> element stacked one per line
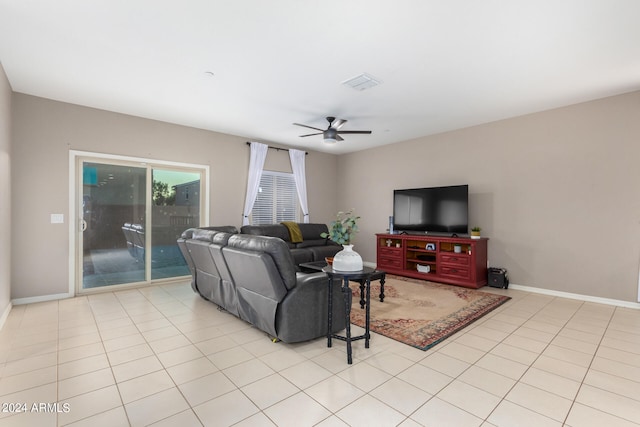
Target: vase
<point>347,260</point>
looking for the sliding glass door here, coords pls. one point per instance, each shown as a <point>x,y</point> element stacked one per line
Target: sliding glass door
<point>175,207</point>
<point>130,216</point>
<point>113,224</point>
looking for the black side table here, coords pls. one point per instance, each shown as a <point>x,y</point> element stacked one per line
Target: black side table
<point>377,275</point>
<point>363,277</point>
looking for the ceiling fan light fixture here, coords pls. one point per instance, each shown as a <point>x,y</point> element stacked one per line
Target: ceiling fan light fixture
<point>330,136</point>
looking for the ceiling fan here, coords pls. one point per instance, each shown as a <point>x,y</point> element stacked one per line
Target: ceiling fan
<point>332,134</point>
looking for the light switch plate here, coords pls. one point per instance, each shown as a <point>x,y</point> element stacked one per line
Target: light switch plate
<point>57,218</point>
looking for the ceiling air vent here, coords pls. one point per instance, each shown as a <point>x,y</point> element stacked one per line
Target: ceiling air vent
<point>362,82</point>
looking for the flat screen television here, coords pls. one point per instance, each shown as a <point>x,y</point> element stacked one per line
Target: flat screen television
<point>441,210</point>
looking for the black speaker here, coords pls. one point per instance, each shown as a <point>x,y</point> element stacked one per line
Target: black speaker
<point>498,278</point>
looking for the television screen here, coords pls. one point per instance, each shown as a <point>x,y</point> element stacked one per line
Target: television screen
<point>434,209</point>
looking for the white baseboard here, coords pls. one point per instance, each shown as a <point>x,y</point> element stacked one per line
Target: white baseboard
<point>5,314</point>
<point>580,297</point>
<point>43,298</point>
<point>587,298</point>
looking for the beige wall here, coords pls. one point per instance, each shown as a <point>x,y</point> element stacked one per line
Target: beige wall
<point>5,193</point>
<point>557,192</point>
<point>44,131</point>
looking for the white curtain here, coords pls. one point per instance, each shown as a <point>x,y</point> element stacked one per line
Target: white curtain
<point>258,154</point>
<point>297,165</point>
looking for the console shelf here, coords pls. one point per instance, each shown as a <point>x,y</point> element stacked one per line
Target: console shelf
<point>453,260</point>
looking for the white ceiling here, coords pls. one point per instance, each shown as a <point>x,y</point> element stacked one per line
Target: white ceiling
<point>443,64</point>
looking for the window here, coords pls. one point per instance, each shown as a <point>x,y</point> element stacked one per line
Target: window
<point>277,199</point>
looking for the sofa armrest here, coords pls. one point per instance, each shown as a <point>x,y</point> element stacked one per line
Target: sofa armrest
<point>302,314</point>
<point>320,277</point>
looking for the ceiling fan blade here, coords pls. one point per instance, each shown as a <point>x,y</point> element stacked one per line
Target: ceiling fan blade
<point>333,132</point>
<point>310,127</point>
<point>338,123</point>
<point>354,131</point>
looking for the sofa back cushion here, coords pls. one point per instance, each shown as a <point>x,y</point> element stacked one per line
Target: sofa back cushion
<point>224,228</point>
<point>271,230</point>
<point>220,240</point>
<point>186,235</point>
<point>312,231</point>
<point>276,253</point>
<point>263,272</point>
<point>203,235</point>
<point>206,272</point>
<point>225,294</point>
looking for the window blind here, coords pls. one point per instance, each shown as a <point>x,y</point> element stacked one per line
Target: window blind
<point>277,200</point>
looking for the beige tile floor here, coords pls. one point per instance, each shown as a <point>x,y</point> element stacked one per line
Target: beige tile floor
<point>162,356</point>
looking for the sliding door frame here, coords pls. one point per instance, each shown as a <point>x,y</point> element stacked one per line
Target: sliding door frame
<point>75,178</point>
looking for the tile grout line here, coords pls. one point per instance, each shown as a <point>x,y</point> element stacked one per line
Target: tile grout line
<point>165,368</point>
<point>518,381</point>
<point>589,369</point>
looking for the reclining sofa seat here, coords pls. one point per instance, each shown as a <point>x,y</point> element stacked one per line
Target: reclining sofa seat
<point>263,272</point>
<point>210,275</point>
<point>273,296</point>
<point>187,235</point>
<point>255,278</point>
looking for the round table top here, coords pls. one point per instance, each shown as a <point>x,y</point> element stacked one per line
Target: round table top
<point>358,274</point>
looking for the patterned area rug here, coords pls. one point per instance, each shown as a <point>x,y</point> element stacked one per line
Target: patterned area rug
<point>420,313</point>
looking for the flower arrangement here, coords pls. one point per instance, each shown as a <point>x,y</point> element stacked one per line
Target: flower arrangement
<point>343,228</point>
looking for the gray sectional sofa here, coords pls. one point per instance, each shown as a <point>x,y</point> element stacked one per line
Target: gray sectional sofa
<point>256,278</point>
<point>312,246</point>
